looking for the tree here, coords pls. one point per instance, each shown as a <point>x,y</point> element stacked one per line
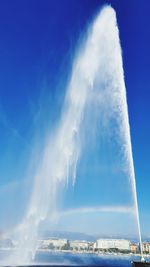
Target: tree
<point>66,246</point>
<point>51,246</point>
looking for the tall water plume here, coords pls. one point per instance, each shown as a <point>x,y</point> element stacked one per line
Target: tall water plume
<point>97,79</point>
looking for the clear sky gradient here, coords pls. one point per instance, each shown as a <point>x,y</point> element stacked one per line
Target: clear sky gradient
<point>37,43</point>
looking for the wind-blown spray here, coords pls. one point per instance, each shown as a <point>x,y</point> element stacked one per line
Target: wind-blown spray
<point>97,71</point>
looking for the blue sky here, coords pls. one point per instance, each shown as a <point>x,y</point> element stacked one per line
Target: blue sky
<point>38,40</point>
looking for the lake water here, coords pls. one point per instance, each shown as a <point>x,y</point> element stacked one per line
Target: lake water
<point>61,258</point>
<point>84,259</point>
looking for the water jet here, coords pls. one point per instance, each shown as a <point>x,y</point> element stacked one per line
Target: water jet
<point>97,77</point>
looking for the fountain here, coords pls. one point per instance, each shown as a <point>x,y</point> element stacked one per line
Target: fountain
<point>97,73</point>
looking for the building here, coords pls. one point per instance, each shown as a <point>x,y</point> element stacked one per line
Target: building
<point>79,245</point>
<point>146,247</point>
<point>52,243</point>
<point>120,244</point>
<point>134,248</point>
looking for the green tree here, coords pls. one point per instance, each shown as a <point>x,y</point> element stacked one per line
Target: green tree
<point>66,246</point>
<point>51,246</point>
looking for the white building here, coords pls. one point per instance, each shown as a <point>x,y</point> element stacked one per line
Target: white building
<point>120,244</point>
<point>55,242</point>
<point>146,247</point>
<point>79,245</point>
